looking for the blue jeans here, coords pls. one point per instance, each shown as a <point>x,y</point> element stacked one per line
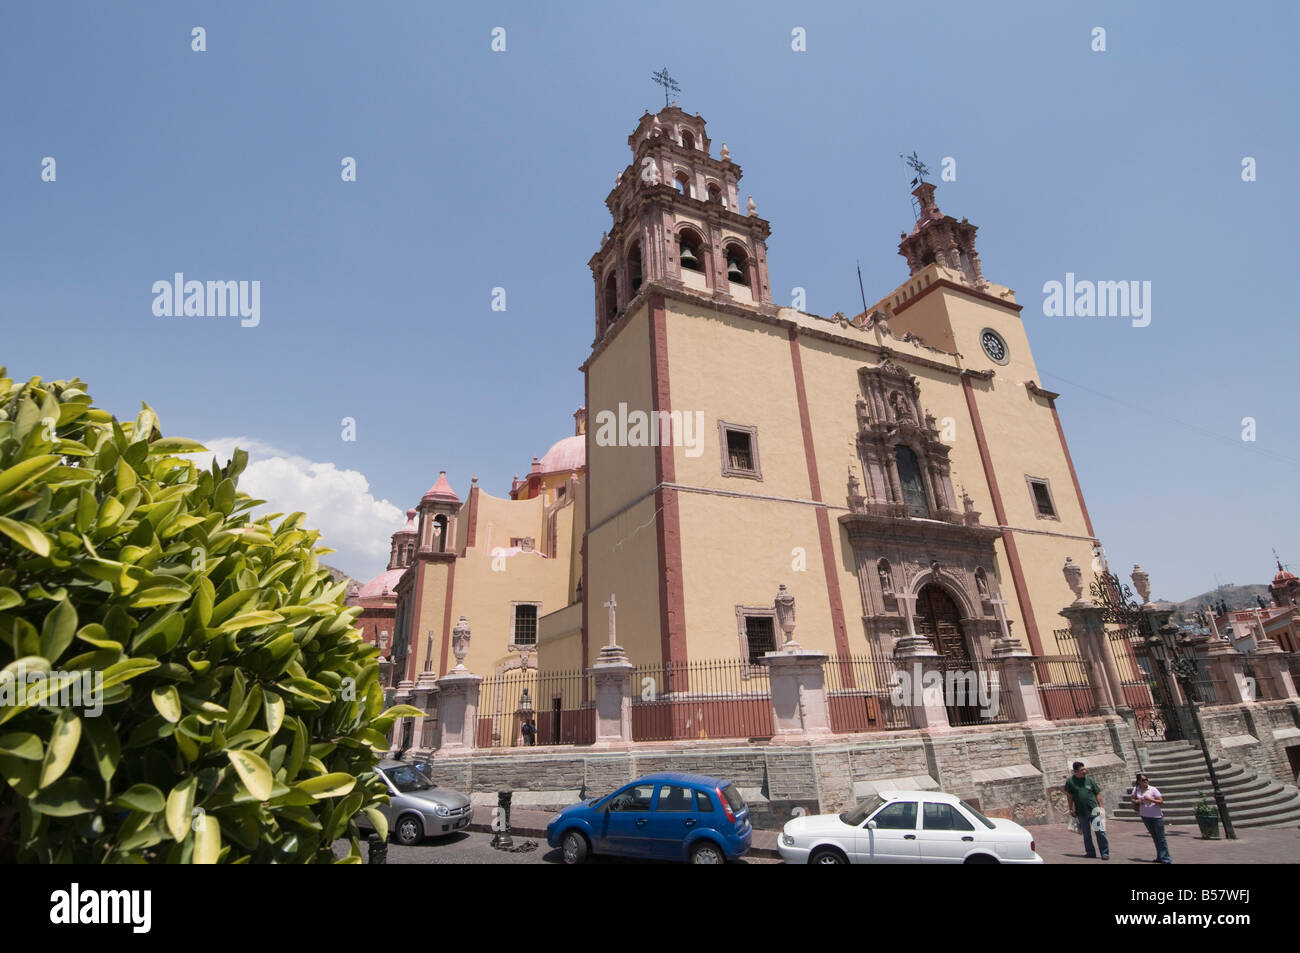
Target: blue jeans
<point>1156,828</point>
<point>1085,825</point>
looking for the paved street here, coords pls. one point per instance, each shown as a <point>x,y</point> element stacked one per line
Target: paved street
<point>475,848</point>
<point>1130,844</point>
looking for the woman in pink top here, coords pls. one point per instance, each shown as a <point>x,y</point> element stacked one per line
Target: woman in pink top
<point>1148,801</point>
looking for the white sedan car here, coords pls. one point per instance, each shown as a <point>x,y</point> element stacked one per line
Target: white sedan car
<point>907,827</point>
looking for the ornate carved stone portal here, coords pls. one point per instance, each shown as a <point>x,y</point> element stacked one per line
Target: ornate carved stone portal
<point>924,565</point>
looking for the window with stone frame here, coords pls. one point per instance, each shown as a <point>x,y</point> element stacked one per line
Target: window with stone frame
<point>523,623</point>
<point>739,445</point>
<point>1040,491</point>
<point>757,632</point>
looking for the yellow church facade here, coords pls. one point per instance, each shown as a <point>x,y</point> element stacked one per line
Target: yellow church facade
<point>901,472</point>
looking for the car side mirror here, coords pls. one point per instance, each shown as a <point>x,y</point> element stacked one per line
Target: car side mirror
<point>871,825</point>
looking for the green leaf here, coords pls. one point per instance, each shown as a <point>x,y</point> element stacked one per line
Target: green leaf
<point>58,630</point>
<point>26,536</point>
<point>176,445</point>
<point>248,620</point>
<point>328,785</point>
<point>22,744</point>
<point>167,702</point>
<point>141,797</point>
<point>273,707</point>
<point>63,745</point>
<point>9,598</point>
<point>66,798</point>
<point>159,596</point>
<point>207,839</point>
<point>378,822</point>
<point>102,734</point>
<point>126,669</point>
<point>180,802</point>
<point>20,474</point>
<point>253,771</point>
<point>307,688</point>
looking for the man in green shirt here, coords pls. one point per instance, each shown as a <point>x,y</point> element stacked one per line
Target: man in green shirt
<point>1085,804</point>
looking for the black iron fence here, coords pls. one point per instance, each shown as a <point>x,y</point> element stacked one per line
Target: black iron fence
<point>1064,686</point>
<point>525,707</point>
<point>718,698</point>
<point>861,691</point>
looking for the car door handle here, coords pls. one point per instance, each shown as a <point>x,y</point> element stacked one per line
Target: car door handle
<point>968,837</point>
<point>690,822</point>
<point>909,837</point>
<point>640,822</point>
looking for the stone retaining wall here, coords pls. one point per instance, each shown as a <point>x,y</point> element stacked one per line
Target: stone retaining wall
<point>1011,771</point>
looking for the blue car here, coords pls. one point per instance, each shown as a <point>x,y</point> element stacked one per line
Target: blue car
<point>658,817</point>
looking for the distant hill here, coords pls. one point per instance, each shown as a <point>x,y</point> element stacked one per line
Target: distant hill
<point>1237,597</point>
<point>338,574</point>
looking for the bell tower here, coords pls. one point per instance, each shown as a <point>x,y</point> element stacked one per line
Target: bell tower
<point>678,220</point>
<point>939,238</point>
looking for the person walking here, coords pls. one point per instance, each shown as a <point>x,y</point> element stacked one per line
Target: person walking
<point>529,731</point>
<point>1147,800</point>
<point>1085,807</point>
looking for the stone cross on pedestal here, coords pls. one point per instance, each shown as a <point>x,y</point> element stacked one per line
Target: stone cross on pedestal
<point>611,606</point>
<point>1000,610</point>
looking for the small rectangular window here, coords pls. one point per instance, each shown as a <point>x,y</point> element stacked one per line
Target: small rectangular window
<point>739,445</point>
<point>760,634</point>
<point>738,450</point>
<point>525,625</point>
<point>703,803</point>
<point>1042,494</point>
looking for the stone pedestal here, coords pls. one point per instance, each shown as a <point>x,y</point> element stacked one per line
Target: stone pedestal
<point>798,692</point>
<point>1018,689</point>
<point>458,712</point>
<point>1227,668</point>
<point>921,695</point>
<point>612,674</point>
<point>1270,662</point>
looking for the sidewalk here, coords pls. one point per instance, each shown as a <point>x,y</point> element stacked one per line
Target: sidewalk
<point>1129,842</point>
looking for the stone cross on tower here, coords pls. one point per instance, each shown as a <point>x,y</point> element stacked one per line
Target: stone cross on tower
<point>611,606</point>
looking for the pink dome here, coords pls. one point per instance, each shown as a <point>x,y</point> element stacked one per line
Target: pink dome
<point>384,583</point>
<point>566,455</point>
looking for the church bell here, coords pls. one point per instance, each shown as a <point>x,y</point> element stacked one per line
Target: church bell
<point>688,257</point>
<point>734,273</point>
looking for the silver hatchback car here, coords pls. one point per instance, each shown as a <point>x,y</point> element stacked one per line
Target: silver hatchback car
<point>417,808</point>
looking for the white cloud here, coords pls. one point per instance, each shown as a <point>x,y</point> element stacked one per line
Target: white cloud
<point>337,502</point>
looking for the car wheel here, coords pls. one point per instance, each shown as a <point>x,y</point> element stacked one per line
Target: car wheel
<point>981,859</point>
<point>409,830</point>
<point>827,855</point>
<point>575,847</point>
<point>707,852</point>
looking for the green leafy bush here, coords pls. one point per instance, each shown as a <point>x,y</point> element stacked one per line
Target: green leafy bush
<point>239,713</point>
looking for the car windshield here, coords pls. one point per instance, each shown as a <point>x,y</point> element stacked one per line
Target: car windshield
<point>406,778</point>
<point>855,817</point>
<point>977,815</point>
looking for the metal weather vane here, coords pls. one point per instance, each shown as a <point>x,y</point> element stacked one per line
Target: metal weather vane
<point>916,165</point>
<point>667,82</point>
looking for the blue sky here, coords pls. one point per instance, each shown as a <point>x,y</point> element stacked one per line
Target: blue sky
<point>479,169</point>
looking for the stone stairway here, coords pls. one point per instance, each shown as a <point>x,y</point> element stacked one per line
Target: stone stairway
<point>1177,769</point>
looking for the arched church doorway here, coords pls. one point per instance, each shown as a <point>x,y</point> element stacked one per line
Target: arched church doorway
<point>939,618</point>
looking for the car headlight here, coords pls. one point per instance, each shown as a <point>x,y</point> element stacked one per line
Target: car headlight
<point>442,810</point>
<point>787,840</point>
<point>554,818</point>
